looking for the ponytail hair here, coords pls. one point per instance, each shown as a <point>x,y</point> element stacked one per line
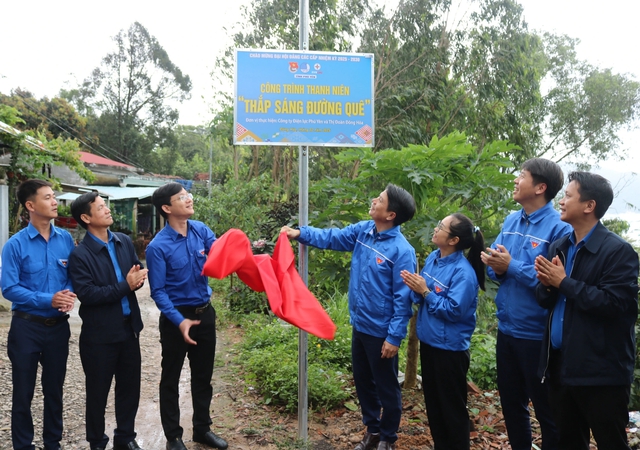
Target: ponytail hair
<point>470,237</point>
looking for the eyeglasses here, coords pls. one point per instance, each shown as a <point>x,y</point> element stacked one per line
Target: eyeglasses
<point>185,197</point>
<point>440,226</point>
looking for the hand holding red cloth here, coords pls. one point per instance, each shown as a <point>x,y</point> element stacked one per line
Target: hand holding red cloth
<point>289,298</point>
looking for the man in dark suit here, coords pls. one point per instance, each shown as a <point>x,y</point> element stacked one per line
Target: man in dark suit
<point>105,273</point>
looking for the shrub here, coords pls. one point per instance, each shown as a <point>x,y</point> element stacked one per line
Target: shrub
<point>482,369</point>
<point>270,357</point>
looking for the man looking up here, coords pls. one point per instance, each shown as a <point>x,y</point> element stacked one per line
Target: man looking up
<point>35,280</point>
<point>175,259</point>
<point>106,272</point>
<point>590,284</point>
<point>525,234</point>
<point>379,306</point>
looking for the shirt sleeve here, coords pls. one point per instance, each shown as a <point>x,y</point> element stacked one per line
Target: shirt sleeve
<point>157,266</point>
<point>13,289</point>
<point>402,299</point>
<point>341,239</point>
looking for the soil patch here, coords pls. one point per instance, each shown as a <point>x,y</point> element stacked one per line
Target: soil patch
<point>237,410</point>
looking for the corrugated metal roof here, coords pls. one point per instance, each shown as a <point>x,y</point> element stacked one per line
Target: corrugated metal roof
<point>113,192</point>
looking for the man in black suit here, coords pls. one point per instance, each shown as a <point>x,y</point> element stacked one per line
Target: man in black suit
<point>105,273</point>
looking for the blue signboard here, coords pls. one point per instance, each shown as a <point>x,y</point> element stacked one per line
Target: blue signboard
<point>303,98</point>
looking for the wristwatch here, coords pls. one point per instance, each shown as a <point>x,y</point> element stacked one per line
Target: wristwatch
<point>425,293</point>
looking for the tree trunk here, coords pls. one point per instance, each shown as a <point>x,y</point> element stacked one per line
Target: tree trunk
<point>235,162</point>
<point>275,167</point>
<point>255,163</point>
<point>411,370</point>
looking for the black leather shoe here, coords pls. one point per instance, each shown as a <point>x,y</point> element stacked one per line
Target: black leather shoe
<point>368,442</point>
<point>383,445</point>
<point>133,445</point>
<point>176,444</point>
<point>211,440</point>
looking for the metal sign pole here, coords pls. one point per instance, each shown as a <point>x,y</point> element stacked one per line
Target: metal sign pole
<point>303,254</point>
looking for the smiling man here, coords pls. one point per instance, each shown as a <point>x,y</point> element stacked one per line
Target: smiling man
<point>589,282</point>
<point>35,280</point>
<point>379,306</point>
<point>525,234</point>
<point>176,257</point>
<point>106,272</point>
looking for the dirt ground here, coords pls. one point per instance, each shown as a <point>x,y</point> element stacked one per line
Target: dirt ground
<point>237,411</point>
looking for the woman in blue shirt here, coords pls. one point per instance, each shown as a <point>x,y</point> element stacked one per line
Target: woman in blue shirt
<point>447,294</point>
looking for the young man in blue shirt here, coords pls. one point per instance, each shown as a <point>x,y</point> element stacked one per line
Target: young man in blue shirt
<point>589,283</point>
<point>175,258</point>
<point>105,272</point>
<point>379,306</point>
<point>525,234</point>
<point>35,280</point>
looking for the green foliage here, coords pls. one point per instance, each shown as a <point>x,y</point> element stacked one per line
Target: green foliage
<point>255,208</point>
<point>486,320</point>
<point>52,117</point>
<point>586,106</point>
<point>484,73</point>
<point>482,369</point>
<point>270,355</point>
<point>127,99</point>
<point>30,159</point>
<point>64,210</point>
<point>449,175</point>
<point>617,225</point>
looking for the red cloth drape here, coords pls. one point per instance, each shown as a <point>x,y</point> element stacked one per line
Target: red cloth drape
<point>288,296</point>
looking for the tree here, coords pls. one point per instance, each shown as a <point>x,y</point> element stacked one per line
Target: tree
<point>129,97</point>
<point>474,67</point>
<point>32,155</point>
<point>450,174</point>
<point>53,117</point>
<point>587,105</point>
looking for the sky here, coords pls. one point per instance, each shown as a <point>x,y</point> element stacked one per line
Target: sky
<point>50,45</point>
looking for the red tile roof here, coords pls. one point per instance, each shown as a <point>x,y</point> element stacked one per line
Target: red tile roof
<point>90,158</point>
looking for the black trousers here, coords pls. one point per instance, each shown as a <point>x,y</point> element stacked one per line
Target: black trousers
<point>101,363</point>
<point>517,363</point>
<point>578,409</point>
<point>28,344</point>
<point>376,381</point>
<point>201,358</point>
<point>444,384</point>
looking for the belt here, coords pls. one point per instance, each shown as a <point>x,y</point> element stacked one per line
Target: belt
<point>194,310</point>
<point>48,321</point>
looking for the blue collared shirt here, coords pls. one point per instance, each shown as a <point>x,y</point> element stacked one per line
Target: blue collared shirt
<point>557,320</point>
<point>175,265</point>
<point>34,269</point>
<point>111,247</point>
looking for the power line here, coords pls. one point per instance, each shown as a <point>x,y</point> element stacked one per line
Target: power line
<point>113,153</point>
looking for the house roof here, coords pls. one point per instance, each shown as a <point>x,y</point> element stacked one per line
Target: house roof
<point>90,158</point>
<point>113,192</point>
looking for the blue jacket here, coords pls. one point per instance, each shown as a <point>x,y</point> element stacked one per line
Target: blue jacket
<point>175,267</point>
<point>447,316</point>
<point>100,293</point>
<point>379,301</point>
<point>525,237</point>
<point>34,270</point>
